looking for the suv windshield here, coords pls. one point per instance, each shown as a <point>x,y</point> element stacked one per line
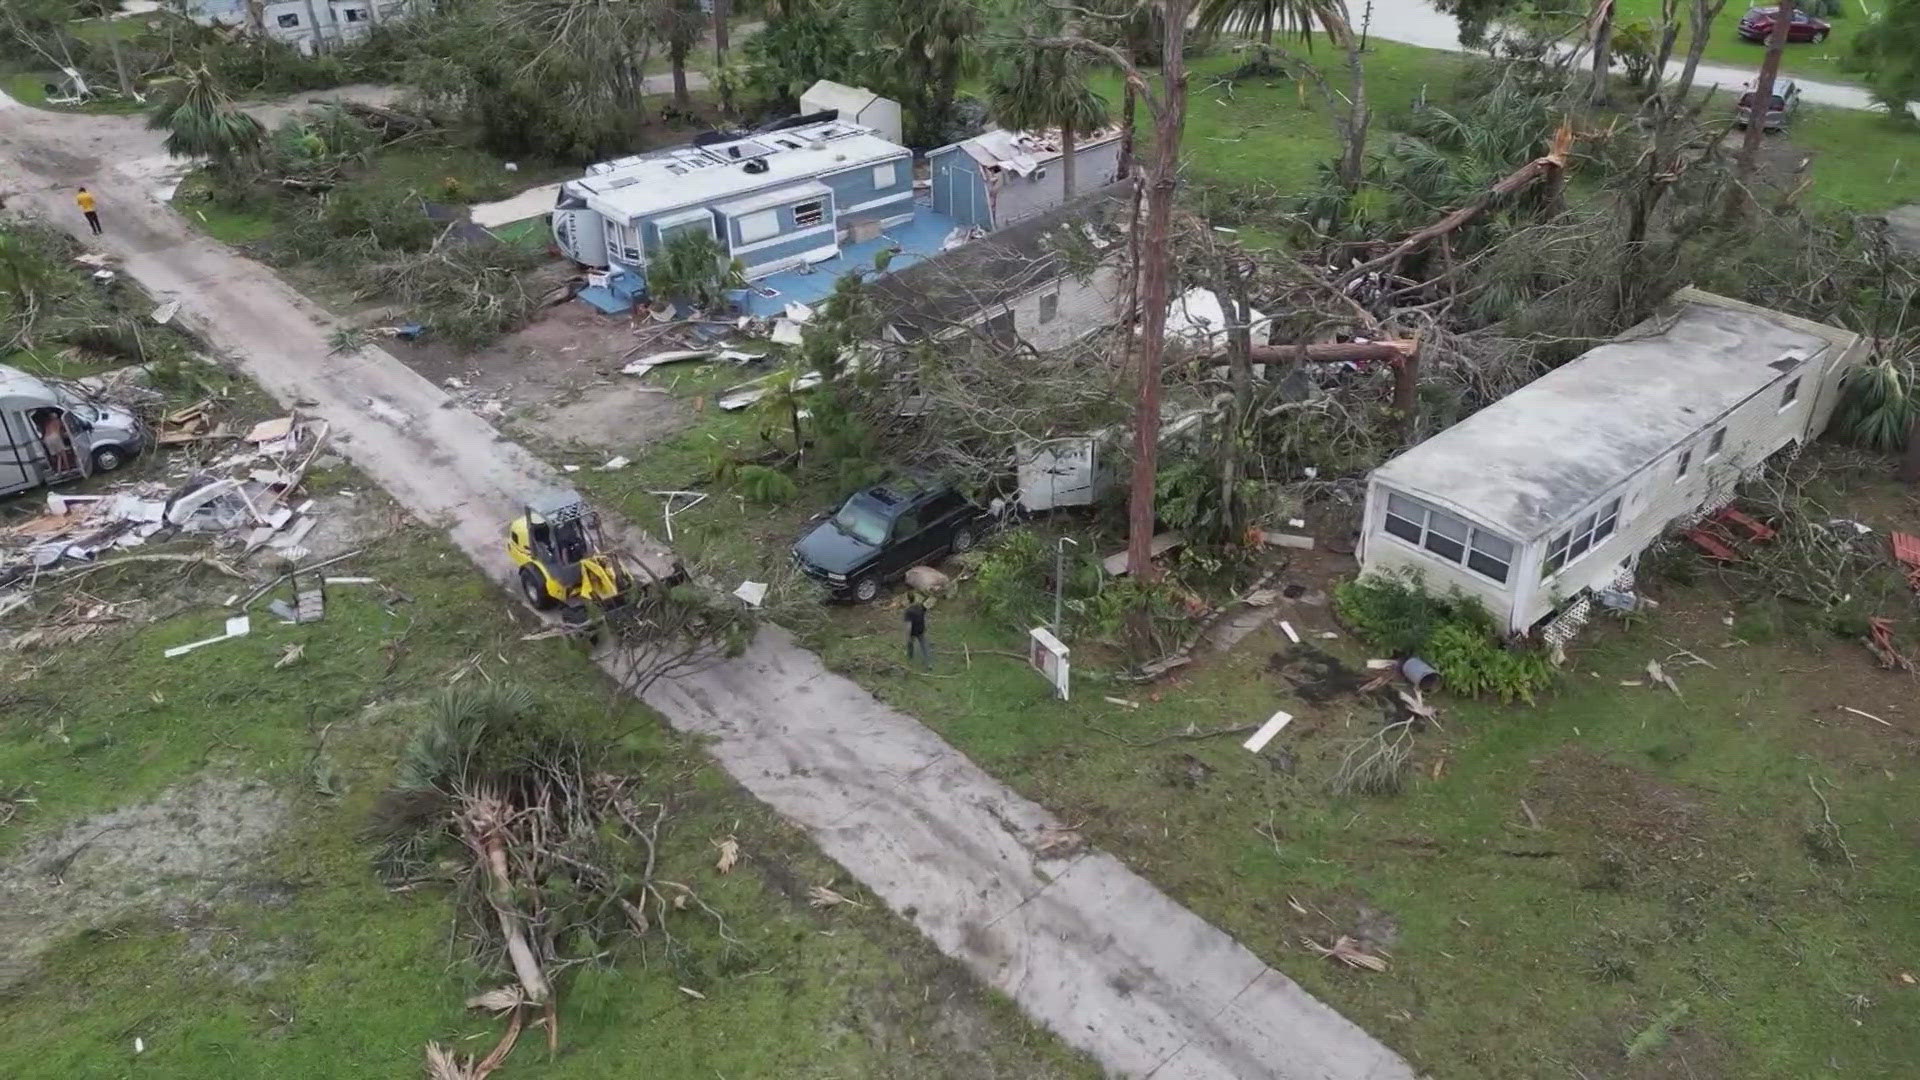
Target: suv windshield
<point>863,523</point>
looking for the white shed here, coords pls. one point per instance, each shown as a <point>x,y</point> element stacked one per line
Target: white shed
<point>1556,489</point>
<point>856,104</point>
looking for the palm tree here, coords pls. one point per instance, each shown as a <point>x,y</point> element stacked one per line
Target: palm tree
<point>201,120</point>
<point>1035,89</point>
<point>924,48</point>
<point>1249,16</point>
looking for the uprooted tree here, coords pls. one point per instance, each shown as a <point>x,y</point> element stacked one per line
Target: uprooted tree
<point>551,849</point>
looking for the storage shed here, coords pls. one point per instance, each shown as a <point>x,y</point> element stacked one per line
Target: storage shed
<point>1556,489</point>
<point>1000,177</point>
<point>856,104</point>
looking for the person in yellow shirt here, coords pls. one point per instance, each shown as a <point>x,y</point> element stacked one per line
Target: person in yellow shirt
<point>84,199</point>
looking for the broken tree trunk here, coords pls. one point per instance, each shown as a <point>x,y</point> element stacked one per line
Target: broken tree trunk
<point>1404,356</point>
<point>1760,104</point>
<point>1543,167</point>
<point>1163,181</point>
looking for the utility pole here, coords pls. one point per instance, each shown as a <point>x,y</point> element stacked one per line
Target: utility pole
<point>1060,578</point>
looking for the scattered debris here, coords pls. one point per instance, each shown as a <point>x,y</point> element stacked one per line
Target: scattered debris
<point>729,854</point>
<point>237,626</point>
<point>673,356</point>
<point>752,593</point>
<point>822,897</point>
<point>1880,640</point>
<point>615,463</point>
<point>1258,740</point>
<point>1419,673</point>
<point>1116,564</point>
<point>1057,842</point>
<point>290,655</point>
<point>1287,629</point>
<point>694,498</point>
<point>1659,677</point>
<point>927,580</point>
<point>692,993</point>
<point>1287,540</point>
<point>1868,715</point>
<point>1122,702</point>
<point>1348,952</point>
<point>1906,551</point>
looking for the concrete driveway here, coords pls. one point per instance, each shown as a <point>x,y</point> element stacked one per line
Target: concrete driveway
<point>1082,944</point>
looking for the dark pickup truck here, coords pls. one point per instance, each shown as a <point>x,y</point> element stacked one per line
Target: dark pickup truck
<point>879,533</point>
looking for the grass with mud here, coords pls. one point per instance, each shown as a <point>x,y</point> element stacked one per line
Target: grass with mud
<point>304,966</point>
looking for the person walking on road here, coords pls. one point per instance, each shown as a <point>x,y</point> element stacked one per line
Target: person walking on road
<point>84,199</point>
<point>917,633</point>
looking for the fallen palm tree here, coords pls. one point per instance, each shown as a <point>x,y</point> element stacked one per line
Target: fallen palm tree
<point>552,857</point>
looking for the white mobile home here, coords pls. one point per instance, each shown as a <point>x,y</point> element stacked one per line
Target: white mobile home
<point>773,200</point>
<point>1556,489</point>
<point>309,25</point>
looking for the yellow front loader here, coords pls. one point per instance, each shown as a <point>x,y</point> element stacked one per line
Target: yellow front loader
<point>564,559</point>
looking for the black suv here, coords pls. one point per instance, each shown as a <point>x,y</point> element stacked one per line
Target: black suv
<point>881,532</point>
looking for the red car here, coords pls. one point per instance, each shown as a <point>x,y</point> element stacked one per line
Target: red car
<point>1757,25</point>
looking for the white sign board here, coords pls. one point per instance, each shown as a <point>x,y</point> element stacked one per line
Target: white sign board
<point>1049,657</point>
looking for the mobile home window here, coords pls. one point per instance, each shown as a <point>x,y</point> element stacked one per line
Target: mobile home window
<point>809,213</point>
<point>1049,306</point>
<point>1686,462</point>
<point>355,14</point>
<point>1719,440</point>
<point>1585,535</point>
<point>288,22</point>
<point>764,225</point>
<point>1449,537</point>
<point>886,175</point>
<point>1791,394</point>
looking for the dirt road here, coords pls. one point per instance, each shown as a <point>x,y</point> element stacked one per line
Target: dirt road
<point>1085,946</point>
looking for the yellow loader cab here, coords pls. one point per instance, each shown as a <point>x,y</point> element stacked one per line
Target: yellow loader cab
<point>563,558</point>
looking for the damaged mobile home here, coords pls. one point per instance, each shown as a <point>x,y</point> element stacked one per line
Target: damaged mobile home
<point>1554,491</point>
<point>821,190</point>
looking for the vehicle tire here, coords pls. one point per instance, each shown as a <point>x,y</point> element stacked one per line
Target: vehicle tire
<point>1819,36</point>
<point>108,458</point>
<point>533,586</point>
<point>963,539</point>
<point>866,590</point>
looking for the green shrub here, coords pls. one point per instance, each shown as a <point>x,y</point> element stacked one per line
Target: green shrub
<point>1015,576</point>
<point>1393,614</point>
<point>1474,664</point>
<point>766,485</point>
<point>1453,633</point>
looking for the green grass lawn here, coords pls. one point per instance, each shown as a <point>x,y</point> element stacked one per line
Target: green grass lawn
<point>1864,162</point>
<point>330,975</point>
<point>1270,136</point>
<point>1820,62</point>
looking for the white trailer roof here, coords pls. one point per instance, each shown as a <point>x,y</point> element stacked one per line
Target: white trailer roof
<point>1530,460</point>
<point>690,176</point>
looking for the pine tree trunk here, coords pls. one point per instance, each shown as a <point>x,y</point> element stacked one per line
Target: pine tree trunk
<point>1163,182</point>
<point>677,50</point>
<point>722,11</point>
<point>1602,52</point>
<point>1129,109</point>
<point>1066,162</point>
<point>1762,101</point>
